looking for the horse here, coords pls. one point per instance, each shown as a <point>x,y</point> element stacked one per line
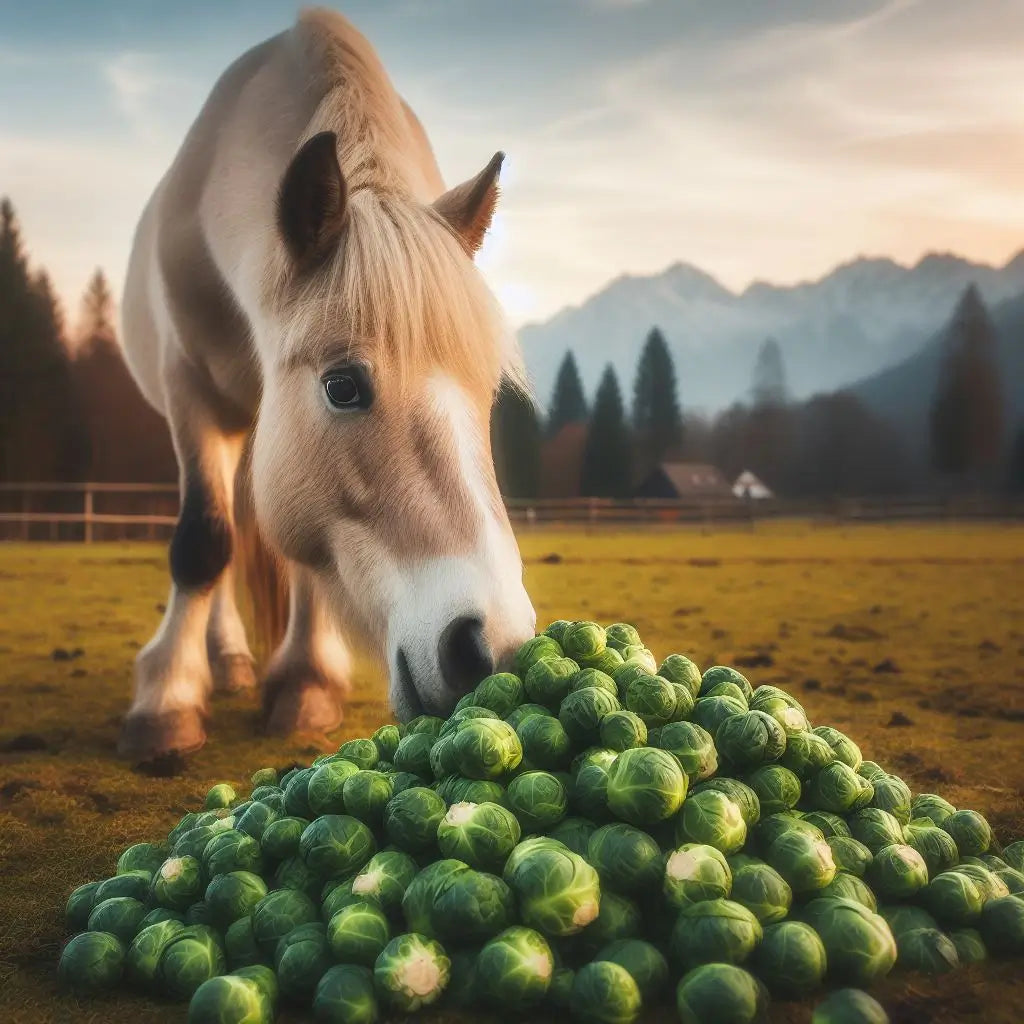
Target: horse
<point>302,305</point>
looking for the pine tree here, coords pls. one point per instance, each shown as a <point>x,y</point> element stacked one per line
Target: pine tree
<point>967,410</point>
<point>769,382</point>
<point>606,457</point>
<point>515,443</point>
<point>657,421</point>
<point>568,403</point>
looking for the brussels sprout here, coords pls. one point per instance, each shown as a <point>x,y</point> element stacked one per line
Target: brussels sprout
<point>198,913</point>
<point>789,715</point>
<point>593,677</point>
<point>386,739</point>
<point>413,754</point>
<point>892,794</point>
<point>499,693</point>
<point>747,741</point>
<point>461,991</point>
<point>143,955</point>
<point>839,789</point>
<point>638,655</point>
<point>582,711</point>
<point>583,640</point>
<point>828,824</point>
<point>119,915</point>
<point>337,895</point>
<point>875,828</point>
<point>559,994</point>
<point>92,961</point>
<point>277,914</point>
<point>904,917</point>
<point>178,883</point>
<point>954,898</point>
<point>790,959</point>
<point>692,745</point>
<point>233,895</point>
<point>859,946</point>
<point>300,959</point>
<point>227,999</point>
<point>240,945</point>
<point>79,906</point>
<point>740,794</point>
<point>849,887</point>
<point>871,771</point>
<point>804,860</point>
<point>358,933</point>
<point>627,672</point>
<point>928,805</point>
<point>806,754</point>
<point>159,914</point>
<point>970,947</point>
<point>761,889</point>
<point>990,884</point>
<point>281,838</point>
<point>723,674</point>
<point>519,715</point>
<point>777,788</point>
<point>337,844</point>
<point>771,826</point>
<point>486,748</point>
<point>517,965</point>
<point>927,950</point>
<point>366,794</point>
<point>935,845</point>
<point>574,834</point>
<point>411,972</point>
<point>897,872</point>
<point>605,992</point>
<point>221,795</point>
<point>131,883</point>
<point>694,873</point>
<point>255,820</point>
<point>849,1006</point>
<point>590,792</point>
<point>1002,926</point>
<point>623,730</point>
<point>141,857</point>
<point>189,958</point>
<point>557,629</point>
<point>558,891</point>
<point>384,879</point>
<point>424,889</point>
<point>844,748</point>
<point>345,995</point>
<point>545,742</point>
<point>363,753</point>
<point>645,786</point>
<point>678,669</point>
<point>722,993</point>
<point>621,634</point>
<point>714,931</point>
<point>970,831</point>
<point>652,698</point>
<point>232,851</point>
<point>473,908</point>
<point>626,859</point>
<point>726,689</point>
<point>263,777</point>
<point>850,855</point>
<point>710,712</point>
<point>619,918</point>
<point>606,662</point>
<point>538,800</point>
<point>1014,855</point>
<point>1013,880</point>
<point>411,819</point>
<point>472,791</point>
<point>713,819</point>
<point>324,790</point>
<point>536,649</point>
<point>593,756</point>
<point>482,835</point>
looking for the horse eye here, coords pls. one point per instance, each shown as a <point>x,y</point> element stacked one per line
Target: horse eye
<point>342,391</point>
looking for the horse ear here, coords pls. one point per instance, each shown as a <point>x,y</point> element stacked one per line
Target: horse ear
<point>311,201</point>
<point>468,207</point>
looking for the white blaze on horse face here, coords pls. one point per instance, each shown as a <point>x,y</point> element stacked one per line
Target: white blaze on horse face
<point>486,583</point>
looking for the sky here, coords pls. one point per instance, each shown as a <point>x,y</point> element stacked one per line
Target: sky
<point>756,140</point>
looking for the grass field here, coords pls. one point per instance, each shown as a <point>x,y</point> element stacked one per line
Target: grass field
<point>909,638</point>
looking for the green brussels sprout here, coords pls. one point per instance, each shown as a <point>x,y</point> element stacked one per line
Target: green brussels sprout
<point>726,689</point>
<point>849,887</point>
<point>897,872</point>
<point>518,965</point>
<point>627,860</point>
<point>605,993</point>
<point>694,873</point>
<point>804,860</point>
<point>414,754</point>
<point>722,993</point>
<point>723,674</point>
<point>990,860</point>
<point>839,789</point>
<point>587,677</point>
<point>221,795</point>
<point>970,831</point>
<point>198,913</point>
<point>473,908</point>
<point>606,662</point>
<point>410,973</point>
<point>710,712</point>
<point>325,789</point>
<point>558,891</point>
<point>844,748</point>
<point>954,898</point>
<point>583,640</point>
<point>645,785</point>
<point>132,883</point>
<point>366,794</point>
<point>623,730</point>
<point>761,889</point>
<point>989,883</point>
<point>143,956</point>
<point>1002,926</point>
<point>859,946</point>
<point>499,693</point>
<point>547,682</point>
<point>559,994</point>
<point>337,844</point>
<point>738,792</point>
<point>871,771</point>
<point>771,826</point>
<point>806,754</point>
<point>424,889</point>
<point>486,748</point>
<point>461,992</point>
<point>281,837</point>
<point>892,794</point>
<point>240,946</point>
<point>639,655</point>
<point>362,753</point>
<point>519,715</point>
<point>538,800</point>
<point>536,649</point>
<point>970,947</point>
<point>747,741</point>
<point>593,756</point>
<point>345,995</point>
<point>680,670</point>
<point>1014,855</point>
<point>935,845</point>
<point>159,914</point>
<point>358,933</point>
<point>589,795</point>
<point>622,634</point>
<point>574,834</point>
<point>850,855</point>
<point>230,998</point>
<point>790,959</point>
<point>384,879</point>
<point>141,857</point>
<point>875,828</point>
<point>401,781</point>
<point>277,914</point>
<point>386,739</point>
<point>91,962</point>
<point>693,746</point>
<point>849,1006</point>
<point>545,742</point>
<point>232,851</point>
<point>789,715</point>
<point>193,843</point>
<point>904,917</point>
<point>120,916</point>
<point>79,906</point>
<point>627,672</point>
<point>233,895</point>
<point>300,959</point>
<point>266,790</point>
<point>1013,880</point>
<point>777,788</point>
<point>189,958</point>
<point>557,629</point>
<point>714,931</point>
<point>186,824</point>
<point>263,777</point>
<point>473,791</point>
<point>652,698</point>
<point>713,819</point>
<point>255,819</point>
<point>582,711</point>
<point>296,792</point>
<point>828,824</point>
<point>412,817</point>
<point>928,805</point>
<point>926,950</point>
<point>441,756</point>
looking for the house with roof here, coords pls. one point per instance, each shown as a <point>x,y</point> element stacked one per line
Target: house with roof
<point>684,480</point>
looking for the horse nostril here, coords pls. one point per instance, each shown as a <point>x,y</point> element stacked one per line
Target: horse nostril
<point>464,655</point>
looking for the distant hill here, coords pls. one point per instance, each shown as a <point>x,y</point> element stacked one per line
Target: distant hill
<point>903,393</point>
<point>862,317</point>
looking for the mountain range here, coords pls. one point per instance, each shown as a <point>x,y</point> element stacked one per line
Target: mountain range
<point>861,318</point>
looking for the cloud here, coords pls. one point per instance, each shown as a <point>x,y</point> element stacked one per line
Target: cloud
<point>139,86</point>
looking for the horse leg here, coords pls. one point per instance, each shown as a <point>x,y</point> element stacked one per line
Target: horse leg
<point>172,672</point>
<point>231,661</point>
<point>308,676</point>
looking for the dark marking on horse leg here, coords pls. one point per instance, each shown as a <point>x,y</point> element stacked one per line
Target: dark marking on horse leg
<point>202,544</point>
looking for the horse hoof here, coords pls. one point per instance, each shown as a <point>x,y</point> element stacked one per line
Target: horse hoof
<point>234,673</point>
<point>149,735</point>
<point>304,707</point>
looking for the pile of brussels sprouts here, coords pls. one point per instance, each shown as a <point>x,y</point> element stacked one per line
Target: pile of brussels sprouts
<point>593,834</point>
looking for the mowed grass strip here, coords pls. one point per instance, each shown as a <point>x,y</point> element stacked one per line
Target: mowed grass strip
<point>909,638</point>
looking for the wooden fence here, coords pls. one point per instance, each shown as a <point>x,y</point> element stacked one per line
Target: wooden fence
<point>98,511</point>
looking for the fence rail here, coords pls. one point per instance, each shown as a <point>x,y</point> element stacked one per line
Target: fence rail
<point>109,511</point>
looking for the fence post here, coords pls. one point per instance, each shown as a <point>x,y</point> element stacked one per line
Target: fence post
<point>88,514</point>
